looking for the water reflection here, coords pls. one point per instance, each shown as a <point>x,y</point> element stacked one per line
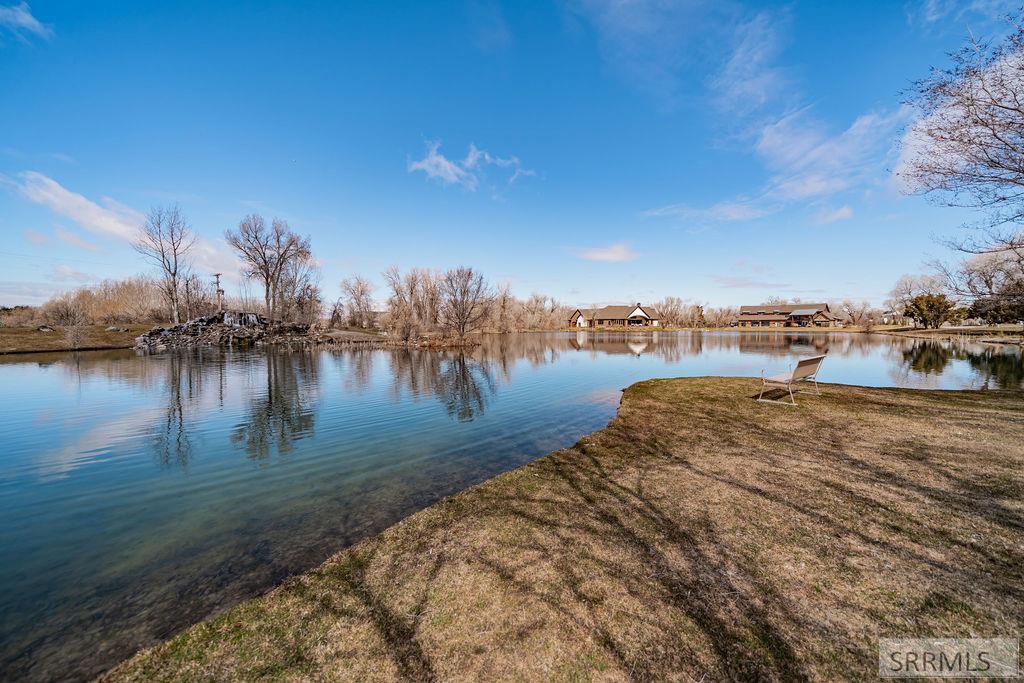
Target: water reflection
<point>283,410</point>
<point>143,493</point>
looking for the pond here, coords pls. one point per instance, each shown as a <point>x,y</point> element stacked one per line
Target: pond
<point>141,494</point>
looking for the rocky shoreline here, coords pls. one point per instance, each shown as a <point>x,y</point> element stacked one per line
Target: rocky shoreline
<point>238,329</point>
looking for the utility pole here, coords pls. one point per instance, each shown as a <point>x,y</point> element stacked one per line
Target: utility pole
<point>220,294</point>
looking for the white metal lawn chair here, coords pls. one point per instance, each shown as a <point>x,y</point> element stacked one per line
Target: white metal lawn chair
<point>806,370</point>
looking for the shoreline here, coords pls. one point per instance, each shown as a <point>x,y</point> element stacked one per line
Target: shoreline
<point>1003,337</point>
<point>689,532</point>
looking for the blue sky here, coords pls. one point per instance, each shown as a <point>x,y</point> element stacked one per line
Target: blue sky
<point>594,150</point>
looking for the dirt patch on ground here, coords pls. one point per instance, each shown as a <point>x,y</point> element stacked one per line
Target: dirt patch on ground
<point>701,535</point>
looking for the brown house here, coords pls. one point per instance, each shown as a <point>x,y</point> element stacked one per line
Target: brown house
<point>787,315</point>
<point>616,316</point>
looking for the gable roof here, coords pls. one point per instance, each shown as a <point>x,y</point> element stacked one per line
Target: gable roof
<point>787,309</point>
<point>622,312</point>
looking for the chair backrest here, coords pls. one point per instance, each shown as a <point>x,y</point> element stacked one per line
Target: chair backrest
<point>807,367</point>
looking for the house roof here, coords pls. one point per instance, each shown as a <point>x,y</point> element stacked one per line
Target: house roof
<point>745,317</point>
<point>616,312</point>
<point>788,309</point>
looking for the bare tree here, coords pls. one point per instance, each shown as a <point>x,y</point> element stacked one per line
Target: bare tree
<point>856,312</point>
<point>358,294</point>
<point>465,298</point>
<point>966,147</point>
<point>297,294</point>
<point>165,239</point>
<point>267,253</point>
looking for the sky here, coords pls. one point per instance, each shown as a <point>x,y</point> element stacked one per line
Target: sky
<point>597,151</point>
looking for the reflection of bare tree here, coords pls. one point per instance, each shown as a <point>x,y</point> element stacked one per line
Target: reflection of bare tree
<point>284,411</point>
<point>172,443</point>
<point>462,383</point>
<point>460,387</point>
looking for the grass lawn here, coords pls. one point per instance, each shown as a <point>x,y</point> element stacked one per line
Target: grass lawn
<point>699,535</point>
<point>24,339</point>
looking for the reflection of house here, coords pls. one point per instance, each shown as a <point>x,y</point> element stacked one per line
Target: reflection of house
<point>615,316</point>
<point>614,343</point>
<point>787,315</point>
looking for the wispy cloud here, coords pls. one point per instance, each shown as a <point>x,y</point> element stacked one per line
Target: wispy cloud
<point>743,282</point>
<point>467,172</point>
<point>65,273</point>
<point>74,240</point>
<point>810,161</point>
<point>112,219</point>
<point>15,293</point>
<point>19,22</point>
<point>739,210</point>
<point>490,30</point>
<point>613,253</point>
<point>37,238</point>
<point>651,43</point>
<point>826,216</point>
<point>750,79</point>
<point>932,12</point>
<point>805,161</point>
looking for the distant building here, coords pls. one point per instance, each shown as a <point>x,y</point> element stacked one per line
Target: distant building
<point>787,315</point>
<point>616,316</point>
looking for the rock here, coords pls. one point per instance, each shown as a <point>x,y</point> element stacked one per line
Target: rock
<point>231,328</point>
<point>44,328</point>
<point>117,329</point>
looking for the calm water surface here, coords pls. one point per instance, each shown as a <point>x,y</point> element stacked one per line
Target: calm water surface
<point>142,494</point>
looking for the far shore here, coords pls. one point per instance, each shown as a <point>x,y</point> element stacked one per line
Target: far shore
<point>701,535</point>
<point>27,340</point>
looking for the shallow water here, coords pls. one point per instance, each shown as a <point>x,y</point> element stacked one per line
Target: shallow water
<point>142,494</point>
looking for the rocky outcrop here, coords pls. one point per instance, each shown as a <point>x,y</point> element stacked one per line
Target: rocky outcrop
<point>230,329</point>
<point>239,329</point>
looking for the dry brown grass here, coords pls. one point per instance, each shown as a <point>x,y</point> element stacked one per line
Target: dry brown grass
<point>701,535</point>
<point>29,339</point>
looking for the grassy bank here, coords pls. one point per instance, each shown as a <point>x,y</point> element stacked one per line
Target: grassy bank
<point>700,534</point>
<point>997,334</point>
<point>93,337</point>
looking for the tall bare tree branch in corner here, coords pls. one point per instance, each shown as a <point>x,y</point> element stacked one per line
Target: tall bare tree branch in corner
<point>966,147</point>
<point>165,239</point>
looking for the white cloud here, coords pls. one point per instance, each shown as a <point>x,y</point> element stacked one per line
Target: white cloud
<point>652,43</point>
<point>743,282</point>
<point>809,161</point>
<point>74,240</point>
<point>826,216</point>
<point>749,79</point>
<point>806,161</point>
<point>27,293</point>
<point>18,20</point>
<point>727,211</point>
<point>935,11</point>
<point>36,238</point>
<point>112,219</point>
<point>467,172</point>
<point>613,253</point>
<point>65,273</point>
